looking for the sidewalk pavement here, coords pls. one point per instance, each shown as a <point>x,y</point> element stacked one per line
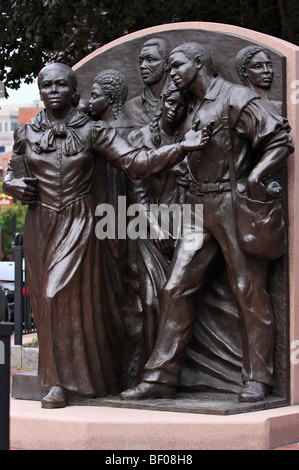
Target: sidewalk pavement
<point>289,447</point>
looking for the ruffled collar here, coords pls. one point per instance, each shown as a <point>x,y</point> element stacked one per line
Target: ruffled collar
<point>72,141</point>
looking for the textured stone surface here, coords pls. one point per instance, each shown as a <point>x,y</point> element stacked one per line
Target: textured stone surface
<point>106,428</point>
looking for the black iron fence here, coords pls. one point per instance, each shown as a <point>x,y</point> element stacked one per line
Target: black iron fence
<point>23,315</point>
<point>6,330</point>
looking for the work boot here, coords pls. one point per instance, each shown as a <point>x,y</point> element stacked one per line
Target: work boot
<point>147,390</point>
<point>253,391</point>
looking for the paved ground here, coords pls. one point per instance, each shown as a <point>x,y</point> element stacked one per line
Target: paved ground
<point>289,447</point>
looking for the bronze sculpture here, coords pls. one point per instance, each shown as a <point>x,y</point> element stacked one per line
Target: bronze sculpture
<point>153,67</point>
<point>108,95</point>
<point>107,102</point>
<point>168,187</point>
<point>77,353</point>
<point>255,70</point>
<point>240,117</point>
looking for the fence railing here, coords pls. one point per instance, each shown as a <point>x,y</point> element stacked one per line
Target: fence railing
<point>23,316</point>
<point>6,330</point>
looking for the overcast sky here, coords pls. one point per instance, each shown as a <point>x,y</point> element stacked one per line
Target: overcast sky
<point>26,94</point>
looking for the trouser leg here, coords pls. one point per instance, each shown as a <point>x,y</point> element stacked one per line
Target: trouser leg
<point>176,324</point>
<point>248,279</point>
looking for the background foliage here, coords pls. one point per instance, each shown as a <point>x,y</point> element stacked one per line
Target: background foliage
<point>34,32</point>
<point>6,223</point>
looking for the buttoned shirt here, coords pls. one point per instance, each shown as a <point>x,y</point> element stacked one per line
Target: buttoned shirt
<point>141,109</point>
<point>254,128</point>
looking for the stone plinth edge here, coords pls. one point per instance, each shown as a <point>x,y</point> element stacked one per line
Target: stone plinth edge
<point>105,428</point>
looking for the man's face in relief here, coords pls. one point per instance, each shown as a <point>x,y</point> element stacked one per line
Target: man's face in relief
<point>152,65</point>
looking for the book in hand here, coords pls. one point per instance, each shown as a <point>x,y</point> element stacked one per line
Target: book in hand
<point>20,167</point>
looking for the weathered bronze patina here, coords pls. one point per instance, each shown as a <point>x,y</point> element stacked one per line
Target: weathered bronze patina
<point>79,342</point>
<point>159,322</point>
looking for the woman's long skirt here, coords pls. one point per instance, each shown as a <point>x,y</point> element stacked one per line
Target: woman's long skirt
<point>79,338</point>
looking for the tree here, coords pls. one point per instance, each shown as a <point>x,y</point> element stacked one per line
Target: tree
<point>35,32</point>
<point>6,223</point>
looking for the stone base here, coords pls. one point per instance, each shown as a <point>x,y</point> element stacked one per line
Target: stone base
<point>198,421</point>
<point>23,357</point>
<point>113,429</point>
<point>25,385</point>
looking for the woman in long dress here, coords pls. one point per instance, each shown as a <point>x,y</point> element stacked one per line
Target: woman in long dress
<point>168,187</point>
<point>79,346</point>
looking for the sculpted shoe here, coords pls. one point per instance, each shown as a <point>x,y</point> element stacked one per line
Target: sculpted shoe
<point>253,391</point>
<point>56,398</point>
<point>147,390</point>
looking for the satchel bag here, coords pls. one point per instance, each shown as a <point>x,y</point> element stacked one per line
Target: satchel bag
<point>260,226</point>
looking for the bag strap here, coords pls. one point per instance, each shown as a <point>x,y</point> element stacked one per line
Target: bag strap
<point>229,158</point>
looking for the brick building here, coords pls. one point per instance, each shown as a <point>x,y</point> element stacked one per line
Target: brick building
<point>9,119</point>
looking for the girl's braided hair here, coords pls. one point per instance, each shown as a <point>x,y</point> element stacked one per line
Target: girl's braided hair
<point>115,88</point>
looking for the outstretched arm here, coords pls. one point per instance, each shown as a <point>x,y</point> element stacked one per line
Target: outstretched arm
<point>139,163</point>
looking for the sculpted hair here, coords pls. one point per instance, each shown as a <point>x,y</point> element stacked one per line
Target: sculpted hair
<point>70,74</point>
<point>243,58</point>
<point>161,44</point>
<point>193,50</point>
<point>114,85</point>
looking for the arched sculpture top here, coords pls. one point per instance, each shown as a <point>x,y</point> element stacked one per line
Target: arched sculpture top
<point>224,42</point>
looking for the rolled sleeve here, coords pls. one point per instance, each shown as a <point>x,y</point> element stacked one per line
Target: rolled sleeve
<point>265,128</point>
